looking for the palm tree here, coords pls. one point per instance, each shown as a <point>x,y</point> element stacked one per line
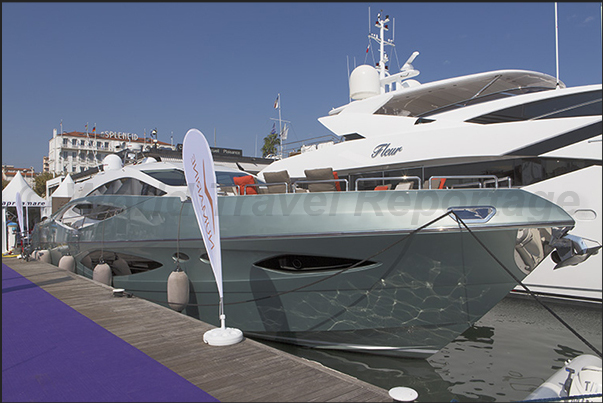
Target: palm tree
<point>271,143</point>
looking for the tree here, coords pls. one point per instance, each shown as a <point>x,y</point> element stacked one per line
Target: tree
<point>4,183</point>
<point>271,143</point>
<point>40,183</point>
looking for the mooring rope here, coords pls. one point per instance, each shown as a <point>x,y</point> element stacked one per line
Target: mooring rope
<point>564,323</point>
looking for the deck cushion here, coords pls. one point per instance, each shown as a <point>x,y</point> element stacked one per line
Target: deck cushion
<point>277,177</point>
<point>241,181</point>
<point>320,174</point>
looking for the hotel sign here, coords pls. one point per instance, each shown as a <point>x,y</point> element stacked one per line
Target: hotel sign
<point>226,151</point>
<point>120,136</point>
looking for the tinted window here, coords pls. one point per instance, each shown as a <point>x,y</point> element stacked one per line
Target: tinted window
<point>584,104</point>
<point>226,178</point>
<point>174,177</point>
<point>128,186</point>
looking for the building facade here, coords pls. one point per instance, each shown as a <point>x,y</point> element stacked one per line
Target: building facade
<point>75,152</point>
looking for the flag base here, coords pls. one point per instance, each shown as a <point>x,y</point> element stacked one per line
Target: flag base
<point>223,336</point>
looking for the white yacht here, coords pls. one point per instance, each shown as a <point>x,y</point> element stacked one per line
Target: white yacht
<point>522,126</point>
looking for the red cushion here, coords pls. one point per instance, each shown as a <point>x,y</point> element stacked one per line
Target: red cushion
<point>241,181</point>
<point>382,187</point>
<point>336,183</point>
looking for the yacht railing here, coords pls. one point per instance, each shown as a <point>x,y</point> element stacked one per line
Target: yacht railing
<point>506,178</point>
<point>481,182</point>
<point>253,185</point>
<point>390,178</point>
<point>492,179</point>
<point>280,185</point>
<point>320,181</point>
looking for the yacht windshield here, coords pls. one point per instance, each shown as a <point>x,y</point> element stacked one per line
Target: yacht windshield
<point>86,213</point>
<point>171,177</point>
<point>176,177</point>
<point>437,97</point>
<point>226,177</point>
<point>445,100</point>
<point>127,186</point>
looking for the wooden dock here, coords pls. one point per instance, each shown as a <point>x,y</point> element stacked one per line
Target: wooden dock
<point>246,372</point>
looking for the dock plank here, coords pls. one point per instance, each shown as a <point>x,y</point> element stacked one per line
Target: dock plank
<point>248,371</point>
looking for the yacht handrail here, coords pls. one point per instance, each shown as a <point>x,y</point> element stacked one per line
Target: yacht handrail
<point>494,178</point>
<point>223,188</point>
<point>506,178</point>
<point>271,184</point>
<point>489,179</point>
<point>253,185</point>
<point>417,178</point>
<point>320,181</point>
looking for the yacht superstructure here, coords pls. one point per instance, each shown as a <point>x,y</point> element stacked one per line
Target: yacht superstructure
<point>522,126</point>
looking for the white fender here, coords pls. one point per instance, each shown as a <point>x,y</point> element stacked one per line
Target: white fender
<point>67,262</point>
<point>44,256</point>
<point>102,274</point>
<point>177,290</point>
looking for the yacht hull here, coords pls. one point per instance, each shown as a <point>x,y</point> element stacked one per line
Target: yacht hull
<point>380,272</point>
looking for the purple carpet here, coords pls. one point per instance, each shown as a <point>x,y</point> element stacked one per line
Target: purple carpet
<point>50,352</point>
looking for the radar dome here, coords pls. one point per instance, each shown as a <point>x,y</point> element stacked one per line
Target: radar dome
<point>364,82</point>
<point>112,161</point>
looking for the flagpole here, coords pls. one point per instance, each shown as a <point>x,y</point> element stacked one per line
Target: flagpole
<point>557,44</point>
<point>280,127</point>
<point>95,148</point>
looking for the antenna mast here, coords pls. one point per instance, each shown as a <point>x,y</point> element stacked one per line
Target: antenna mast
<point>557,45</point>
<point>383,59</point>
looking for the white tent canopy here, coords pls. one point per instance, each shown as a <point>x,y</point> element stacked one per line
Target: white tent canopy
<point>66,188</point>
<point>60,196</point>
<point>28,196</point>
<point>29,199</point>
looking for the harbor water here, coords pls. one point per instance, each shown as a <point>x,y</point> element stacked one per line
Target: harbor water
<point>505,356</point>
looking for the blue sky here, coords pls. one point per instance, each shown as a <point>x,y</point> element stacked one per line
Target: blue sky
<point>131,67</point>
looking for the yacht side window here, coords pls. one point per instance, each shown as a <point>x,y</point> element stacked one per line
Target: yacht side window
<point>226,178</point>
<point>568,106</point>
<point>129,186</point>
<point>85,213</point>
<point>173,177</point>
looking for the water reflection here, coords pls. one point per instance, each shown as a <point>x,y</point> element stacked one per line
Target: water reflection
<point>504,357</point>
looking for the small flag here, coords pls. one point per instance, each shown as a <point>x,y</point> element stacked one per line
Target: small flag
<point>276,103</point>
<point>367,47</point>
<point>284,133</point>
<point>94,129</point>
<point>86,127</point>
<point>273,131</point>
